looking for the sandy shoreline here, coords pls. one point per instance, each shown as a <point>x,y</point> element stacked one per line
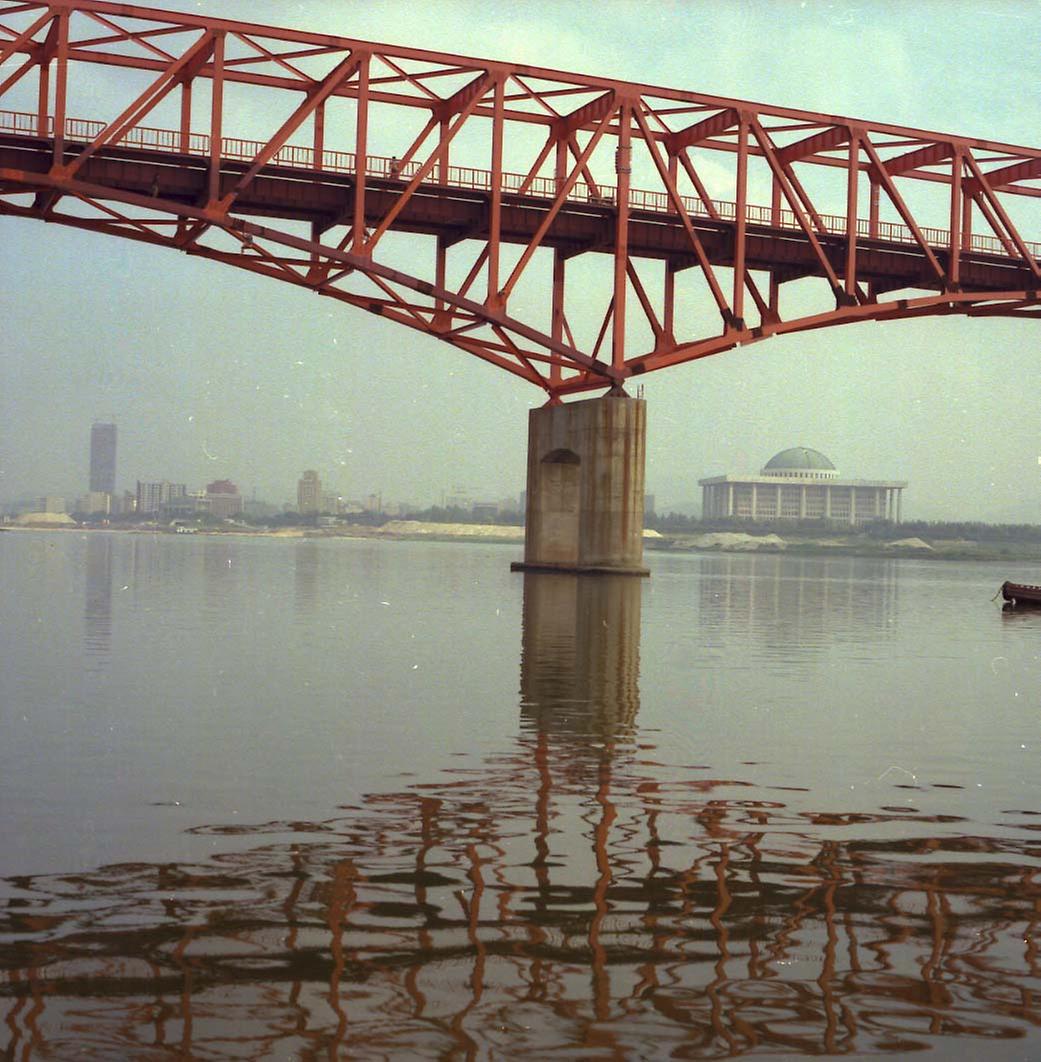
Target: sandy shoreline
<point>714,542</point>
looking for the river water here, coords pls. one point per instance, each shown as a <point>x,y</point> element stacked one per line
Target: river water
<point>300,798</point>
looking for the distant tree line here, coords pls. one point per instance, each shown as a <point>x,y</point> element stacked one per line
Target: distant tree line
<point>966,529</point>
<point>453,514</point>
<point>683,523</point>
<point>885,530</point>
<point>434,514</point>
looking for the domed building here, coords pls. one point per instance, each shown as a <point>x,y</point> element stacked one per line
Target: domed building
<point>800,484</point>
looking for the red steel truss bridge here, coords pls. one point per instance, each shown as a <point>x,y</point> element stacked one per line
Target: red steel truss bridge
<point>573,230</point>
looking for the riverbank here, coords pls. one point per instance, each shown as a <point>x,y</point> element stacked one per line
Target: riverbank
<point>858,545</point>
<point>393,529</point>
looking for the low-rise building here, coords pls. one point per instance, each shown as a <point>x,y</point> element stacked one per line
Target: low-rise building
<point>95,501</point>
<point>484,510</point>
<point>152,496</point>
<point>800,484</point>
<point>309,492</point>
<point>223,499</point>
<point>183,506</point>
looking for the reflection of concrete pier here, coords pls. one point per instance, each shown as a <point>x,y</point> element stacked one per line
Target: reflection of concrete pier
<point>580,653</point>
<point>585,486</point>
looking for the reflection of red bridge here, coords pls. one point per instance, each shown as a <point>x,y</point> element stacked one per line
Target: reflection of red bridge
<point>557,899</point>
<point>502,166</point>
<point>578,890</point>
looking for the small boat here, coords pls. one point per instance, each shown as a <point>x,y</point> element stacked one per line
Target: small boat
<point>1021,594</point>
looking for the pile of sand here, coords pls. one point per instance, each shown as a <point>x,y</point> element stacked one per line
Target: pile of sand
<point>738,541</point>
<point>500,531</point>
<point>418,527</point>
<point>909,543</point>
<point>44,520</point>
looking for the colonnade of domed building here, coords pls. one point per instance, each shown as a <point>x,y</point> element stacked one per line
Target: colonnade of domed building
<point>800,484</point>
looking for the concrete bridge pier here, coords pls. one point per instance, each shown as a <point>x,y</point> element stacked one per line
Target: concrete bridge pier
<point>585,487</point>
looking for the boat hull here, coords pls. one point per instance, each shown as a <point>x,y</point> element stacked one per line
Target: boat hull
<point>1021,595</point>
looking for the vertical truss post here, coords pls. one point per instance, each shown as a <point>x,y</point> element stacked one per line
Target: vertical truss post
<point>852,182</point>
<point>361,155</point>
<point>44,94</point>
<point>954,248</point>
<point>873,208</point>
<point>560,167</point>
<point>740,222</point>
<point>442,152</point>
<point>623,170</point>
<point>557,311</point>
<point>43,101</point>
<point>186,116</point>
<point>216,117</point>
<point>319,135</point>
<point>495,199</point>
<point>61,88</point>
<point>775,204</point>
<point>440,275</point>
<point>559,267</point>
<point>669,298</point>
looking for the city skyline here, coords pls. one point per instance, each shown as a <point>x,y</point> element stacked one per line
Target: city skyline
<point>150,492</point>
<point>101,461</point>
<point>225,369</point>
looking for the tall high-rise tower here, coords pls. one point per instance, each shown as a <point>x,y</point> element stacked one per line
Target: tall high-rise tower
<point>103,458</point>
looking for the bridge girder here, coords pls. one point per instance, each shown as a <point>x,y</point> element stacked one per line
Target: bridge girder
<point>494,169</point>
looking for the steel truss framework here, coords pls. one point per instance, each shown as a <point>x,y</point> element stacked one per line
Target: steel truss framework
<point>302,156</point>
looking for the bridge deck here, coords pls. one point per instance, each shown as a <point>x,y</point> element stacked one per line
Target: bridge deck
<point>300,185</point>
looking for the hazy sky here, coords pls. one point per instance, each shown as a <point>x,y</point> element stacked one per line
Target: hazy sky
<point>211,373</point>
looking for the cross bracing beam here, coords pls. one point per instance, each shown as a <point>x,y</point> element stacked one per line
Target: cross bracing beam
<point>822,141</point>
<point>438,150</point>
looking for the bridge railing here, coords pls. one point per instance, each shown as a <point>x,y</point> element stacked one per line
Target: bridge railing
<point>298,156</point>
